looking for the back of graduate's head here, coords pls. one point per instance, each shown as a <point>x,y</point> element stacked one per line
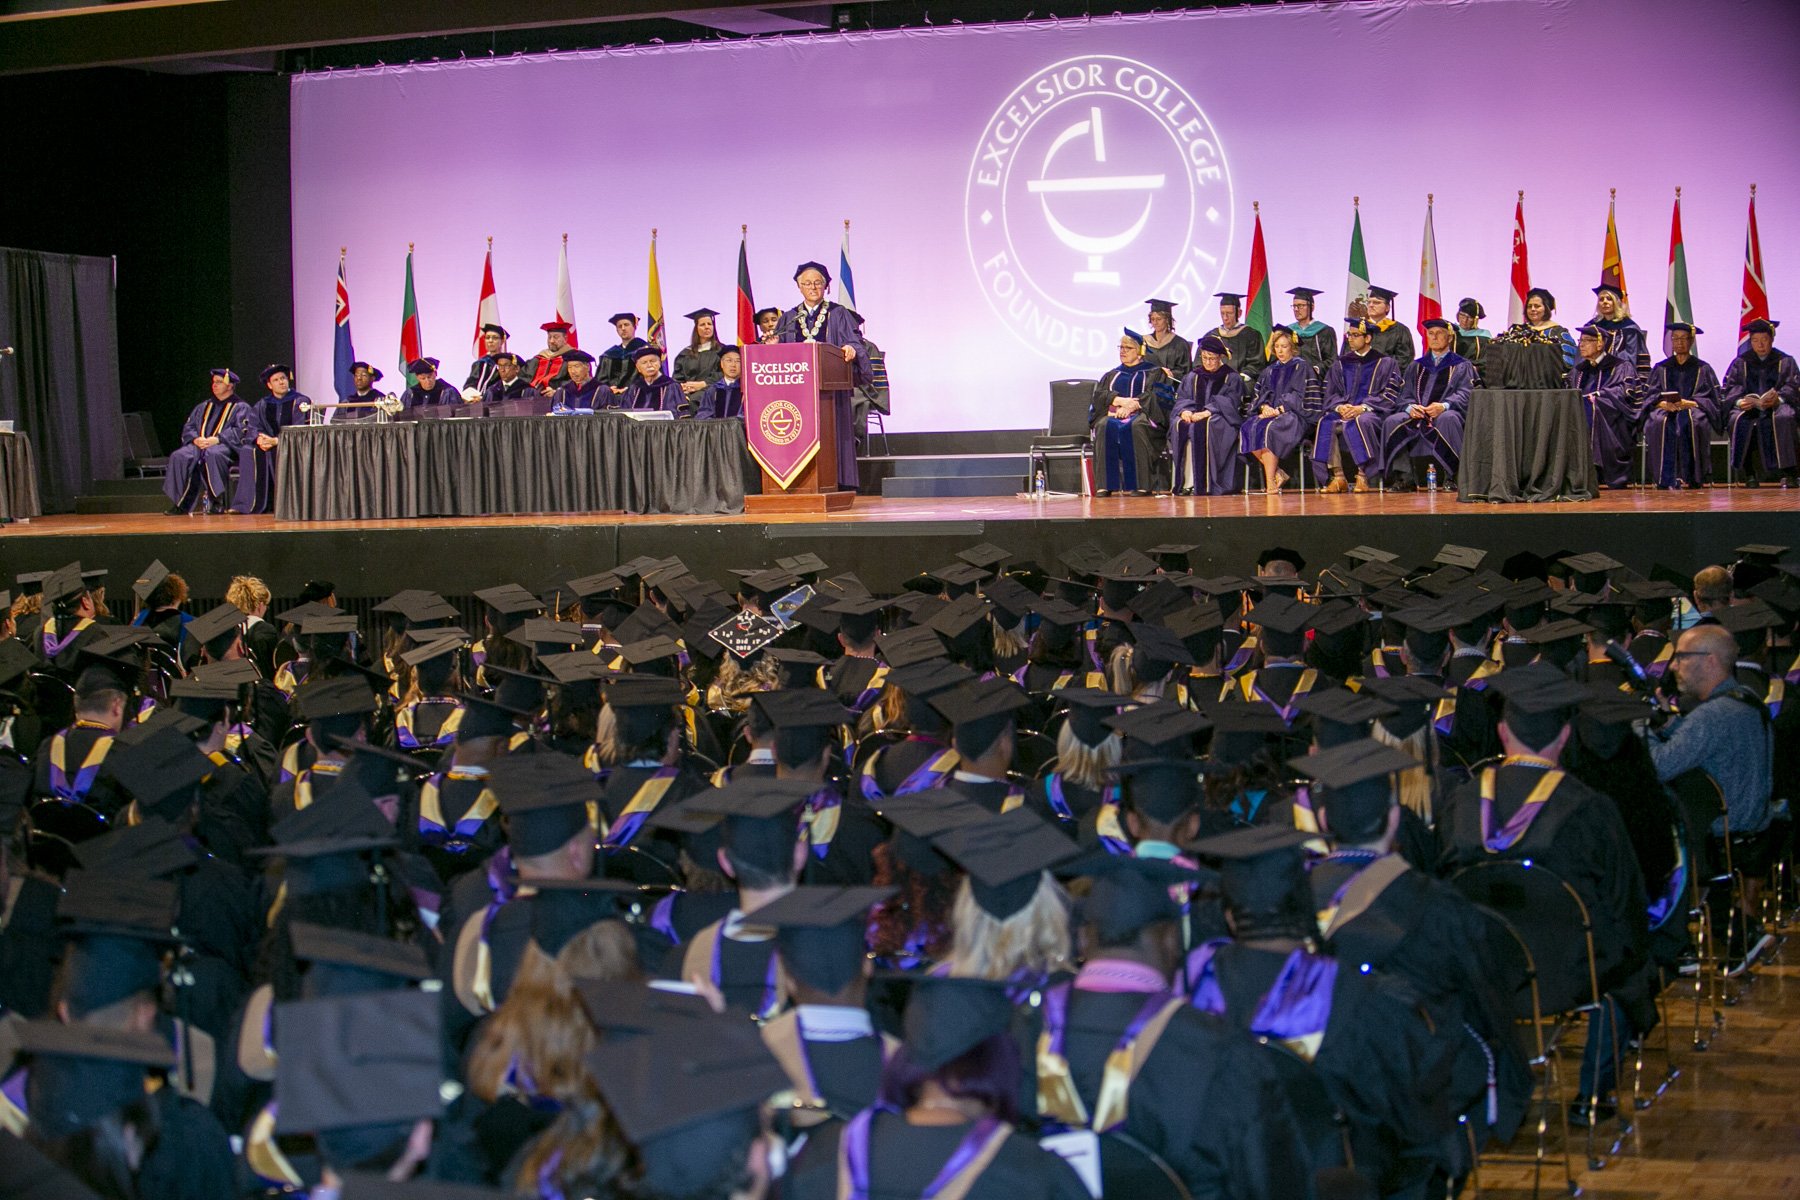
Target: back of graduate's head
<point>1536,731</point>
<point>98,689</point>
<point>172,592</point>
<point>799,747</point>
<point>975,739</point>
<point>761,853</point>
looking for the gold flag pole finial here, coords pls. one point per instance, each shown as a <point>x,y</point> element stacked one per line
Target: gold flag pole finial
<point>1521,195</point>
<point>846,225</point>
<point>343,253</point>
<point>1429,197</point>
<point>1678,191</point>
<point>1753,191</point>
<point>1356,201</point>
<point>653,235</point>
<point>1613,193</point>
<point>490,243</point>
<point>745,229</point>
<point>1256,205</point>
<point>565,239</point>
<point>409,247</point>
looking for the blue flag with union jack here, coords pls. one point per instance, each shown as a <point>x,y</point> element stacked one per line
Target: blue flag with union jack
<point>342,352</point>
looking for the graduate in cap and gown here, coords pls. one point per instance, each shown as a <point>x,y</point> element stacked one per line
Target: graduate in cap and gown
<point>1682,408</point>
<point>429,391</point>
<point>1314,340</point>
<point>484,371</point>
<point>200,467</point>
<point>697,365</point>
<point>1275,420</point>
<point>545,370</point>
<point>509,381</point>
<point>650,388</point>
<point>1471,339</point>
<point>816,319</point>
<point>256,457</point>
<point>724,396</point>
<point>1433,403</point>
<point>1608,386</point>
<point>1166,349</point>
<point>1203,425</point>
<point>1244,351</point>
<point>1624,337</point>
<point>1125,422</point>
<point>614,366</point>
<point>1388,337</point>
<point>363,378</point>
<point>1361,390</point>
<point>583,393</point>
<point>1762,393</point>
<point>840,831</point>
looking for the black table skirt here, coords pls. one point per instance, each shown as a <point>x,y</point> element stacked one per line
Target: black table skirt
<point>18,478</point>
<point>1527,446</point>
<point>509,465</point>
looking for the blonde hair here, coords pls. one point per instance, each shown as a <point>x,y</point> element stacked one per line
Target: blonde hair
<point>246,592</point>
<point>1415,783</point>
<point>1083,764</point>
<point>606,736</point>
<point>888,712</point>
<point>1122,676</point>
<point>1034,939</point>
<point>733,687</point>
<point>1010,641</point>
<point>541,1027</point>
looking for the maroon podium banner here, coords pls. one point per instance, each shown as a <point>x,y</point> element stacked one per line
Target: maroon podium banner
<point>781,417</point>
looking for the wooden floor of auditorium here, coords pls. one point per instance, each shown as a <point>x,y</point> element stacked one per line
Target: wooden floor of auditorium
<point>1727,1129</point>
<point>995,508</point>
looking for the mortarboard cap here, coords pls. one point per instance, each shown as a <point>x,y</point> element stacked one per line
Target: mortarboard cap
<point>341,696</point>
<point>1460,556</point>
<point>650,650</point>
<point>1567,629</point>
<point>381,957</point>
<point>914,644</point>
<point>161,771</point>
<point>803,708</point>
<point>1283,614</point>
<point>151,849</point>
<point>435,647</point>
<point>1369,554</point>
<point>1004,855</point>
<point>929,677</point>
<point>150,580</point>
<point>368,1060</point>
<point>1383,293</point>
<point>546,800</point>
<point>985,700</point>
<point>327,626</point>
<point>822,932</point>
<point>1129,893</point>
<point>1260,864</point>
<point>420,366</point>
<point>745,633</point>
<point>84,1072</point>
<point>1305,293</point>
<point>510,600</point>
<point>947,1016</point>
<point>1165,727</point>
<point>1157,644</point>
<point>1538,688</point>
<point>564,908</point>
<point>217,622</point>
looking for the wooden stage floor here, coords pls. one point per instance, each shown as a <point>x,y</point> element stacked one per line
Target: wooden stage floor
<point>988,508</point>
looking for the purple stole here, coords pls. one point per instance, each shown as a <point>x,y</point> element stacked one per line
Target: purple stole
<point>1296,1009</point>
<point>648,796</point>
<point>74,791</point>
<point>973,1154</point>
<point>1509,834</point>
<point>930,774</point>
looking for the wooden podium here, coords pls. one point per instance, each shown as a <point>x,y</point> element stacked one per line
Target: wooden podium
<point>790,421</point>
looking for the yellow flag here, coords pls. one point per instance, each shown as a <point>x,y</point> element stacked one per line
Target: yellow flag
<point>653,308</point>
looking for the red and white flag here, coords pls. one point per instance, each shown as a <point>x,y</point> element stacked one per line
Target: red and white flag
<point>487,311</point>
<point>1521,268</point>
<point>565,298</point>
<point>1755,304</point>
<point>1431,297</point>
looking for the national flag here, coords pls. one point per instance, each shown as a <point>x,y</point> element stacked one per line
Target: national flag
<point>411,341</point>
<point>565,297</point>
<point>1755,304</point>
<point>487,309</point>
<point>342,352</point>
<point>1356,290</point>
<point>653,309</point>
<point>1431,296</point>
<point>846,283</point>
<point>1612,267</point>
<point>1679,307</point>
<point>1260,315</point>
<point>1521,268</point>
<point>746,302</point>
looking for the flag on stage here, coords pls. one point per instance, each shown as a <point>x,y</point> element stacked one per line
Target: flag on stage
<point>1521,268</point>
<point>653,309</point>
<point>846,283</point>
<point>411,341</point>
<point>487,309</point>
<point>1755,304</point>
<point>1260,316</point>
<point>1678,308</point>
<point>746,302</point>
<point>565,296</point>
<point>1612,267</point>
<point>342,352</point>
<point>1431,297</point>
<point>1356,290</point>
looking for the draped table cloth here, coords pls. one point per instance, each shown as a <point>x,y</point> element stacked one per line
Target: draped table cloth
<point>18,479</point>
<point>1526,445</point>
<point>485,466</point>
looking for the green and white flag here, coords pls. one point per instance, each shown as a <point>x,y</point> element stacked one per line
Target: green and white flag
<point>1356,290</point>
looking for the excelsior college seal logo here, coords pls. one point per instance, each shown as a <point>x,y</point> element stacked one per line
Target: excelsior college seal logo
<point>1097,184</point>
<point>781,423</point>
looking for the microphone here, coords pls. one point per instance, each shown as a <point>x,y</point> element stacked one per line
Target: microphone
<point>1640,681</point>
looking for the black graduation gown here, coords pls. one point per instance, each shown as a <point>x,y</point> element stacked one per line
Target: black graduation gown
<point>30,948</point>
<point>519,389</point>
<point>904,1159</point>
<point>1396,341</point>
<point>849,677</point>
<point>697,366</point>
<point>1207,1101</point>
<point>622,783</point>
<point>103,795</point>
<point>1319,347</point>
<point>192,1158</point>
<point>1243,352</point>
<point>992,796</point>
<point>221,919</point>
<point>847,1074</point>
<point>895,764</point>
<point>849,860</point>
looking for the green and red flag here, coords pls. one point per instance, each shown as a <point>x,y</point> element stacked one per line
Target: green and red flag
<point>1356,288</point>
<point>1260,314</point>
<point>1679,307</point>
<point>411,341</point>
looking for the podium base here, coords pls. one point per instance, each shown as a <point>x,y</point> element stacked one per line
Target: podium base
<point>798,502</point>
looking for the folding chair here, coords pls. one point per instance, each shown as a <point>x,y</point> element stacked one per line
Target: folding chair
<point>1067,435</point>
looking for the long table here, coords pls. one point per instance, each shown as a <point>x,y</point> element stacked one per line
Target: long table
<point>483,466</point>
<point>1524,444</point>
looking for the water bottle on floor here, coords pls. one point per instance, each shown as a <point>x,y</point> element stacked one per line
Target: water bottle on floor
<point>1431,477</point>
<point>1039,485</point>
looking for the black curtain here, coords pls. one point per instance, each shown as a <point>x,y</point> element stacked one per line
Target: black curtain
<point>61,385</point>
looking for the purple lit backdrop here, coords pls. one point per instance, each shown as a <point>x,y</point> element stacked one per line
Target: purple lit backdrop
<point>1198,115</point>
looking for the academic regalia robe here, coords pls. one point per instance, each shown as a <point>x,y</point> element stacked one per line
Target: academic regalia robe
<point>905,763</point>
<point>697,366</point>
<point>852,831</point>
<point>82,778</point>
<point>1124,448</point>
<point>1530,358</point>
<point>1448,380</point>
<point>664,394</point>
<point>519,389</point>
<point>256,467</point>
<point>1606,388</point>
<point>739,959</point>
<point>1205,451</point>
<point>840,329</point>
<point>438,395</point>
<point>458,822</point>
<point>195,475</point>
<point>1770,430</point>
<point>722,398</point>
<point>1472,344</point>
<point>856,681</point>
<point>1678,446</point>
<point>484,372</point>
<point>586,397</point>
<point>616,367</point>
<point>1317,343</point>
<point>904,1160</point>
<point>1369,379</point>
<point>997,797</point>
<point>1176,358</point>
<point>547,370</point>
<point>1244,352</point>
<point>1624,339</point>
<point>1282,386</point>
<point>1393,340</point>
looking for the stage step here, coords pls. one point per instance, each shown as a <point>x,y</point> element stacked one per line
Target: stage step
<point>123,496</point>
<point>954,475</point>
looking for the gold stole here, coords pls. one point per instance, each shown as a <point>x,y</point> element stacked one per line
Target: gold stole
<point>1057,1097</point>
<point>1361,893</point>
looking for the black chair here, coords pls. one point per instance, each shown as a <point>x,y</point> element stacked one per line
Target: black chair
<point>52,699</point>
<point>1698,802</point>
<point>1067,434</point>
<point>143,454</point>
<point>866,748</point>
<point>1130,1168</point>
<point>1032,752</point>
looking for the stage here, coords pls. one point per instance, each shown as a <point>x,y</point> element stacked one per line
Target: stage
<point>885,541</point>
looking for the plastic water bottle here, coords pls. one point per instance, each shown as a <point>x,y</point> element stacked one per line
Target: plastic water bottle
<point>1431,477</point>
<point>1039,485</point>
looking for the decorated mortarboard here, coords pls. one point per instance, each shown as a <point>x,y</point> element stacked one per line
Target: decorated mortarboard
<point>366,1060</point>
<point>745,633</point>
<point>1004,855</point>
<point>783,608</point>
<point>982,700</point>
<point>822,931</point>
<point>1283,614</point>
<point>510,599</point>
<point>1164,723</point>
<point>150,580</point>
<point>914,644</point>
<point>929,677</point>
<point>1460,556</point>
<point>1160,644</point>
<point>1370,554</point>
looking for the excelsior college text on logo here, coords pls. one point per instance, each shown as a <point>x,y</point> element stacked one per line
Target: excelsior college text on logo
<point>1097,184</point>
